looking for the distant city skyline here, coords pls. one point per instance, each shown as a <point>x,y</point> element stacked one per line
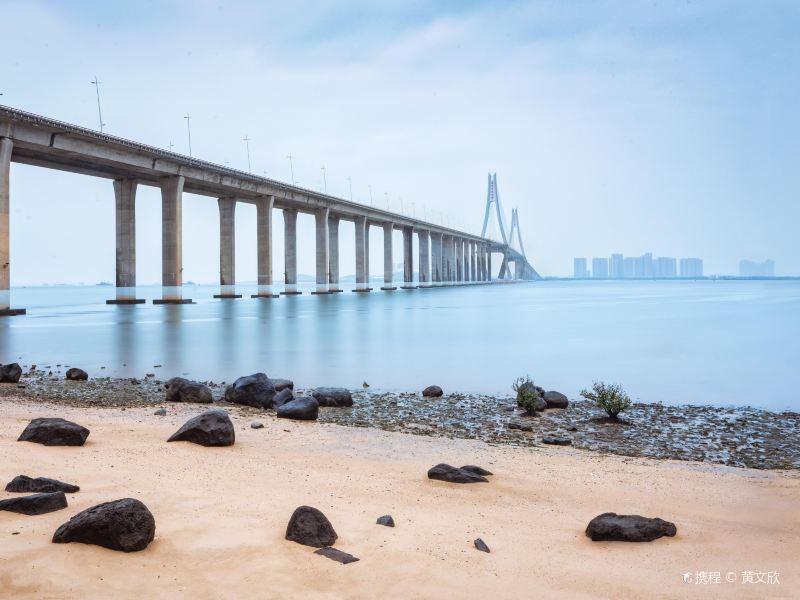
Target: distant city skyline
<point>618,266</point>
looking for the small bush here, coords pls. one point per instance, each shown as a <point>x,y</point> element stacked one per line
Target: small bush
<point>528,397</point>
<point>608,396</point>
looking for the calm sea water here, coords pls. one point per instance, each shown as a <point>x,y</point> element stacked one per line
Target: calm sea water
<point>707,342</point>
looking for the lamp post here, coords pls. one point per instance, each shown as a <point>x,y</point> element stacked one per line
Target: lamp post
<point>189,131</point>
<point>96,83</point>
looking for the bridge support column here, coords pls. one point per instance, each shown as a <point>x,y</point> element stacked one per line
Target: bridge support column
<point>483,262</point>
<point>333,254</point>
<point>436,258</point>
<point>227,248</point>
<point>488,265</point>
<point>473,271</point>
<point>451,260</point>
<point>408,259</point>
<point>172,242</point>
<point>323,264</point>
<point>465,260</point>
<point>424,258</point>
<point>264,246</point>
<point>459,260</point>
<point>388,265</point>
<point>445,260</point>
<point>125,211</point>
<point>290,253</point>
<point>362,249</point>
<point>6,147</point>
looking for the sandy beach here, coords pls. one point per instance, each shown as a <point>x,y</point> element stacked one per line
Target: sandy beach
<point>221,515</point>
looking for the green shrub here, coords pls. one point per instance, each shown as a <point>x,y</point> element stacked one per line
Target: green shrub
<point>528,397</point>
<point>608,396</point>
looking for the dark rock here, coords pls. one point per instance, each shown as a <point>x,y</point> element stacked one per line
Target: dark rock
<point>572,428</point>
<point>628,528</point>
<point>444,472</point>
<point>256,425</point>
<point>514,425</point>
<point>252,390</point>
<point>124,524</point>
<point>10,373</point>
<point>557,441</point>
<point>282,397</point>
<point>308,526</point>
<point>540,403</point>
<point>76,374</point>
<point>481,545</point>
<point>23,483</point>
<point>476,470</point>
<point>282,384</point>
<point>300,409</point>
<point>432,391</point>
<point>161,412</point>
<point>54,432</point>
<point>386,520</point>
<point>37,504</point>
<point>184,390</point>
<point>556,400</point>
<point>212,428</point>
<point>337,555</point>
<point>336,397</point>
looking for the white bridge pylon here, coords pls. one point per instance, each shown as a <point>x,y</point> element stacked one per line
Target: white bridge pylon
<point>510,245</point>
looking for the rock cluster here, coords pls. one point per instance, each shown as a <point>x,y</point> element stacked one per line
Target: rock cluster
<point>333,396</point>
<point>252,390</point>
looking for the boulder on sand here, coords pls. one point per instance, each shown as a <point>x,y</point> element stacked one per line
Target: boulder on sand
<point>10,373</point>
<point>628,528</point>
<point>252,390</point>
<point>332,396</point>
<point>124,524</point>
<point>23,483</point>
<point>432,391</point>
<point>308,526</point>
<point>37,504</point>
<point>54,432</point>
<point>300,409</point>
<point>212,428</point>
<point>556,400</point>
<point>76,374</point>
<point>476,470</point>
<point>445,472</point>
<point>282,397</point>
<point>481,545</point>
<point>386,521</point>
<point>184,390</point>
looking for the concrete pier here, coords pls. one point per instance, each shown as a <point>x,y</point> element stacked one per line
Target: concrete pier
<point>362,254</point>
<point>408,259</point>
<point>436,258</point>
<point>388,265</point>
<point>6,148</point>
<point>488,265</point>
<point>322,256</point>
<point>333,254</point>
<point>290,252</point>
<point>472,267</point>
<point>172,241</point>
<point>227,248</point>
<point>125,223</point>
<point>424,258</point>
<point>459,260</point>
<point>264,207</point>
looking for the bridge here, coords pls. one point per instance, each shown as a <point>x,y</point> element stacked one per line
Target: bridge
<point>446,256</point>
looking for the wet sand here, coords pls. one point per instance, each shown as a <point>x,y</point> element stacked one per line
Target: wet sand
<point>221,515</point>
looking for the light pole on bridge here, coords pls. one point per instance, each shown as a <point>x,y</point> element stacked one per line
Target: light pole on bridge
<point>324,180</point>
<point>246,141</point>
<point>96,83</point>
<point>291,167</point>
<point>189,130</point>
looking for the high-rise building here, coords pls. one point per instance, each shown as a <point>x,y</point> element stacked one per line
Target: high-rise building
<point>629,267</point>
<point>616,266</point>
<point>599,268</point>
<point>666,267</point>
<point>750,268</point>
<point>691,267</point>
<point>579,268</point>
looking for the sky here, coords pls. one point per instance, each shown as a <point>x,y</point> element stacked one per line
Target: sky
<point>632,127</point>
